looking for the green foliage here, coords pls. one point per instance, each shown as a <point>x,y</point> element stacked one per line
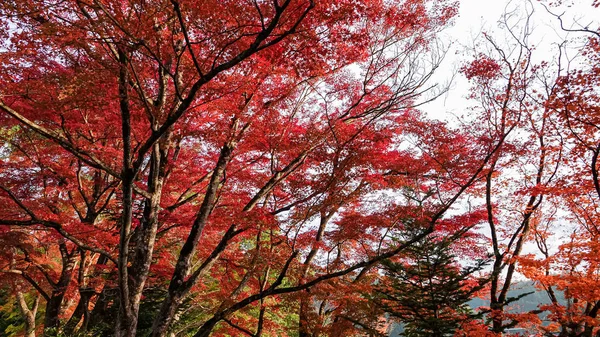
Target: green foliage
<point>427,290</point>
<point>12,322</point>
<point>7,314</point>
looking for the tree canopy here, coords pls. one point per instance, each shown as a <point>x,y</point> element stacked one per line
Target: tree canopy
<point>263,168</point>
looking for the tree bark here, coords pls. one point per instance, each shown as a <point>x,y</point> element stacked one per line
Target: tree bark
<point>54,304</point>
<point>179,286</point>
<point>28,314</point>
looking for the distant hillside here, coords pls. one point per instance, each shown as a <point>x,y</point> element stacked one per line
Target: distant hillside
<point>527,303</point>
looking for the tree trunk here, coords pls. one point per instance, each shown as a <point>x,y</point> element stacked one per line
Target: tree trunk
<point>207,327</point>
<point>303,329</point>
<point>100,313</point>
<point>497,322</point>
<point>81,312</point>
<point>54,304</point>
<point>179,286</point>
<point>28,314</point>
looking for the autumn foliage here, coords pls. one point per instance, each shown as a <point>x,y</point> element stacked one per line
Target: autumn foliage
<point>228,168</point>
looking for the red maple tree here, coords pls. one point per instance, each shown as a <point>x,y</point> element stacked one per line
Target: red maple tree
<point>229,155</point>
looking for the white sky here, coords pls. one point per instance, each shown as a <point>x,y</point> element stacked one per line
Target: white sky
<point>476,16</point>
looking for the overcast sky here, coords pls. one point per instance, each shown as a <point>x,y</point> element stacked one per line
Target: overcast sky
<point>476,16</point>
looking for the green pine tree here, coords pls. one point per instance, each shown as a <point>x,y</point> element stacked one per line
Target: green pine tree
<point>425,290</point>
